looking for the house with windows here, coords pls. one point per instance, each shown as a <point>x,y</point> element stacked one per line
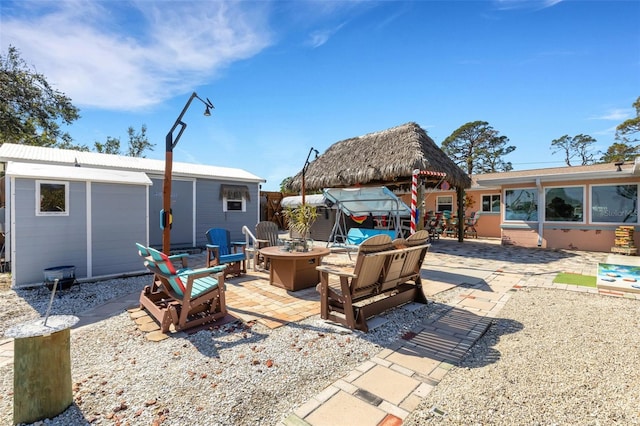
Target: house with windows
<point>86,209</point>
<point>576,207</point>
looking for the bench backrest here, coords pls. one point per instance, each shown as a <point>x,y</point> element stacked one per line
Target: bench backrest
<point>383,264</point>
<point>356,236</point>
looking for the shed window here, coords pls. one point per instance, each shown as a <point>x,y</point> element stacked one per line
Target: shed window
<point>614,203</point>
<point>234,197</point>
<point>52,198</point>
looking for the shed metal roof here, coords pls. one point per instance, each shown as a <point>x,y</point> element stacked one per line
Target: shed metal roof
<point>28,153</point>
<point>49,171</point>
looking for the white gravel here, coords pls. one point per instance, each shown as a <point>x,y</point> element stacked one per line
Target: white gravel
<point>233,375</point>
<point>553,357</point>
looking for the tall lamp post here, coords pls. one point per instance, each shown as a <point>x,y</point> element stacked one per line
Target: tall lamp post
<point>165,214</point>
<point>304,169</point>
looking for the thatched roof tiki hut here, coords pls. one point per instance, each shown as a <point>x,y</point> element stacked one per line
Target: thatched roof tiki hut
<point>387,158</point>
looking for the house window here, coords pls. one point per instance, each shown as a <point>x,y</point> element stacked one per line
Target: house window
<point>521,204</point>
<point>445,202</point>
<point>564,204</point>
<point>52,198</point>
<point>614,203</point>
<point>491,203</point>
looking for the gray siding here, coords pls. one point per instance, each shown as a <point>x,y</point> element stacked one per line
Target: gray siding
<point>118,222</point>
<point>182,207</point>
<point>47,241</point>
<point>210,214</point>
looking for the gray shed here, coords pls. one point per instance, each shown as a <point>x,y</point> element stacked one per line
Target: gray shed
<point>113,201</point>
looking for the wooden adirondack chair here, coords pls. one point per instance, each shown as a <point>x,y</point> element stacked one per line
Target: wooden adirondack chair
<point>222,251</point>
<point>266,236</point>
<point>183,299</point>
<point>378,282</point>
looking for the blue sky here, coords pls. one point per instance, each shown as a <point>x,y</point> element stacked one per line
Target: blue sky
<point>286,76</point>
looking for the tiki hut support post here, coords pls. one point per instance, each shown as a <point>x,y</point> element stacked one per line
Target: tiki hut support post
<point>460,196</point>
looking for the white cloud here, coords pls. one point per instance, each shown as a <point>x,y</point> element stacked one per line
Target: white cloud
<point>525,4</point>
<point>617,114</point>
<point>124,56</point>
<point>320,37</point>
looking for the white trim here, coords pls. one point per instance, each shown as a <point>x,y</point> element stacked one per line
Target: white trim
<point>88,190</point>
<point>453,206</point>
<point>224,204</point>
<point>591,221</point>
<point>504,202</point>
<point>71,173</point>
<point>491,203</point>
<point>38,197</point>
<point>544,204</point>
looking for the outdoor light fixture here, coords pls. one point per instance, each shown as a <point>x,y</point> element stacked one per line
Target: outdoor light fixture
<point>618,164</point>
<point>165,214</point>
<point>304,168</point>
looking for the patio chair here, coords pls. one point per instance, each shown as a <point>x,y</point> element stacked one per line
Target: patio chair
<point>222,251</point>
<point>379,281</point>
<point>266,236</point>
<point>183,299</point>
<point>144,252</point>
<point>470,225</point>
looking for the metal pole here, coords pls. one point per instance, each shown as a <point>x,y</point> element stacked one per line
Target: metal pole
<point>166,218</point>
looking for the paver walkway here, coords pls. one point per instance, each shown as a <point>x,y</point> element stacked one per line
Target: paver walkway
<point>478,278</point>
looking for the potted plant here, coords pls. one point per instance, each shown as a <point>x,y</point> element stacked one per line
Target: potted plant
<point>300,219</point>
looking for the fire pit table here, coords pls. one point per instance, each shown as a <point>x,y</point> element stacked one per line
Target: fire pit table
<point>294,270</point>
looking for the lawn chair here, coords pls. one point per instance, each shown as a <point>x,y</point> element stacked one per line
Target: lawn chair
<point>470,225</point>
<point>221,251</point>
<point>183,299</point>
<point>144,252</point>
<point>378,281</point>
<point>266,236</point>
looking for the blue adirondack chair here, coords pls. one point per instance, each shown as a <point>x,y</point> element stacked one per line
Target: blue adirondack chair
<point>222,251</point>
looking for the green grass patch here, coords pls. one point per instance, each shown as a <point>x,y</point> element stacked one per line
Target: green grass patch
<point>575,279</point>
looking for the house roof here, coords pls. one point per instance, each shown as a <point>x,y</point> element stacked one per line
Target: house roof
<point>566,173</point>
<point>48,171</point>
<point>38,154</point>
<point>379,158</point>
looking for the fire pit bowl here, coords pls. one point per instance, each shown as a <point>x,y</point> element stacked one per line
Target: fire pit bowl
<point>66,276</point>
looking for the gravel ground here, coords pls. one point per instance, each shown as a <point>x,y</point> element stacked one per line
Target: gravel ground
<point>552,358</point>
<point>239,374</point>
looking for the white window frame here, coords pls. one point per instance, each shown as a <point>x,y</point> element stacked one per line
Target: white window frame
<point>39,184</point>
<point>444,196</point>
<point>490,203</point>
<point>504,202</point>
<point>637,222</point>
<point>225,204</point>
<point>544,205</point>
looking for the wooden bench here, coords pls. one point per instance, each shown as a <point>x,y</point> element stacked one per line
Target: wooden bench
<point>386,274</point>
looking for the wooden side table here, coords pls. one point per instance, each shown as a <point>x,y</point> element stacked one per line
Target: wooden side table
<point>294,270</point>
